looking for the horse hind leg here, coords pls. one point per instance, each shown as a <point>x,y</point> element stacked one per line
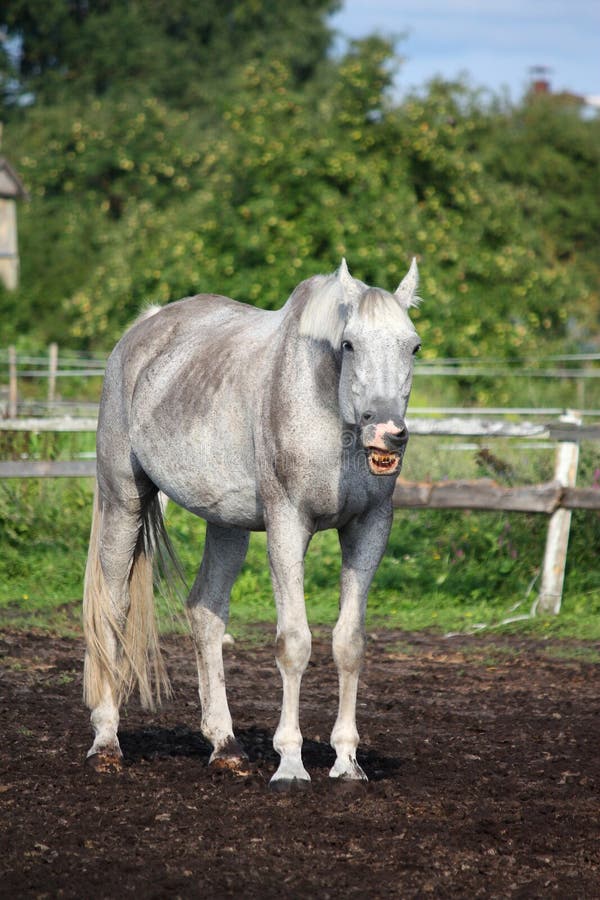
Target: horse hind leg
<point>208,611</point>
<point>121,641</point>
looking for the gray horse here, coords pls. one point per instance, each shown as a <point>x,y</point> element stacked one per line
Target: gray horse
<point>289,421</point>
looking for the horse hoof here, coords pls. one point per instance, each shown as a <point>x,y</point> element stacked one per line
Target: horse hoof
<point>236,765</point>
<point>347,771</point>
<point>230,758</point>
<point>105,762</point>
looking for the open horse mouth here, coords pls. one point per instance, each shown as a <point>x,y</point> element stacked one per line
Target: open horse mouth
<point>382,462</point>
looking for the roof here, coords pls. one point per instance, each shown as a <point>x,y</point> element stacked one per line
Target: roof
<point>11,185</point>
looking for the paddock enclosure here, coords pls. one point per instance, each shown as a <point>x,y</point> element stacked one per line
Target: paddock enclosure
<point>482,753</point>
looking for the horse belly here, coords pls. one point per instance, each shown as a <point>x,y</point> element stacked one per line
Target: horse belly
<point>233,505</point>
<point>236,504</point>
<point>210,484</point>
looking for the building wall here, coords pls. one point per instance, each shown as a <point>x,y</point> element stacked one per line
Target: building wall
<point>9,252</point>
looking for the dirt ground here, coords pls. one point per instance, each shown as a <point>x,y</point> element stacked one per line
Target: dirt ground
<point>483,757</point>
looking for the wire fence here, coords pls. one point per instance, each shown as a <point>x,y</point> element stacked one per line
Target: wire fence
<point>30,383</point>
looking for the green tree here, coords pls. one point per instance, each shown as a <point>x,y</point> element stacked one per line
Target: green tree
<point>183,52</point>
<point>134,200</point>
<point>547,144</point>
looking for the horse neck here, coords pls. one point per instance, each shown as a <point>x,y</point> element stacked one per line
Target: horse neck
<point>305,372</point>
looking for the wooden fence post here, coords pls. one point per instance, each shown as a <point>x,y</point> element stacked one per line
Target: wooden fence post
<point>52,369</point>
<point>557,539</point>
<point>12,383</point>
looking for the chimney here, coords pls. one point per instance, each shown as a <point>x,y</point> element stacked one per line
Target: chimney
<point>540,80</point>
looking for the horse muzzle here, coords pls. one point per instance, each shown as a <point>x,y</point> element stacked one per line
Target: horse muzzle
<point>385,444</point>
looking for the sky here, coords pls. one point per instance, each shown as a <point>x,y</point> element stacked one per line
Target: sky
<point>495,42</point>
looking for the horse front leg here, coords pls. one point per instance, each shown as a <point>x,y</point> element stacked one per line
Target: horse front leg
<point>208,611</point>
<point>287,542</point>
<point>363,543</point>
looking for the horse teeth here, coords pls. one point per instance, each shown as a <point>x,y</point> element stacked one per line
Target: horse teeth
<point>383,461</point>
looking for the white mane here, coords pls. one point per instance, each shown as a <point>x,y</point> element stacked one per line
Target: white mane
<point>380,309</point>
<point>336,297</point>
<point>325,313</point>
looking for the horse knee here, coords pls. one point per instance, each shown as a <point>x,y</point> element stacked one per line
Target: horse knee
<point>348,647</point>
<point>208,628</point>
<point>292,649</point>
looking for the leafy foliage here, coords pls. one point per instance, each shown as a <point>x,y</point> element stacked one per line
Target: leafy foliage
<point>136,200</point>
<point>185,53</point>
<point>174,148</point>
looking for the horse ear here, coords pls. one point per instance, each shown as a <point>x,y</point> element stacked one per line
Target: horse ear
<point>406,292</point>
<point>343,274</point>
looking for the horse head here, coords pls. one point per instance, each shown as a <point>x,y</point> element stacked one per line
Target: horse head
<point>375,343</point>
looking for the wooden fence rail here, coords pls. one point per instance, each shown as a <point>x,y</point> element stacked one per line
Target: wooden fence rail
<point>455,426</point>
<point>477,494</point>
<point>555,499</point>
<point>486,494</point>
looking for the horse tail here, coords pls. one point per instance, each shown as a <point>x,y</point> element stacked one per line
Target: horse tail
<point>121,655</point>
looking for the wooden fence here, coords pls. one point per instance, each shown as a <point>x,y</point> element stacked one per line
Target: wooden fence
<point>555,499</point>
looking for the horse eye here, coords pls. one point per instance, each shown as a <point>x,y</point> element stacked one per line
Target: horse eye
<point>416,349</point>
<point>346,345</point>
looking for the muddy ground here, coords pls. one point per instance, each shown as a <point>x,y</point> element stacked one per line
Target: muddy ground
<point>484,759</point>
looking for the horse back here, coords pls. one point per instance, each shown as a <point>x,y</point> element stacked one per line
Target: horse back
<point>182,394</point>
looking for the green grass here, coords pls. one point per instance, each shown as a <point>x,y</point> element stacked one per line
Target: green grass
<point>446,571</point>
<point>443,570</point>
<point>506,390</point>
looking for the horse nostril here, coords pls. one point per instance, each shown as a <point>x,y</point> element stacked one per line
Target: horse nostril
<point>368,416</point>
<point>397,439</point>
